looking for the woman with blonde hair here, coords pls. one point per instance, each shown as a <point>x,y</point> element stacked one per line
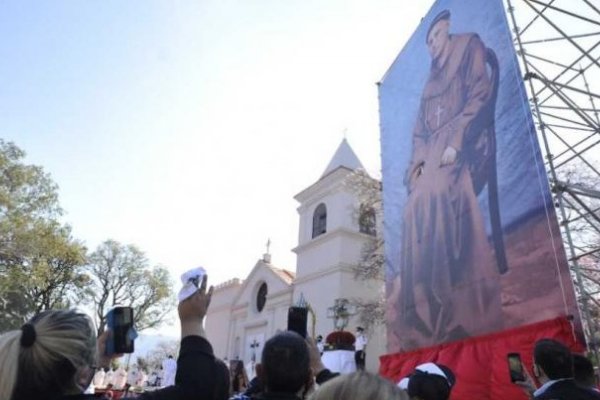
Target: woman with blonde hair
<point>55,355</point>
<point>359,386</point>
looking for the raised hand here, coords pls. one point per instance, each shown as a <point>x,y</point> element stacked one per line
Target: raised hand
<point>193,310</point>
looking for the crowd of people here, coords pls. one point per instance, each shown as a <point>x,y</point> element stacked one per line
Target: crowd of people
<point>58,355</point>
<point>121,378</point>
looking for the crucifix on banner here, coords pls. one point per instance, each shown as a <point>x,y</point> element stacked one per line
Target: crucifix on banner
<point>438,113</point>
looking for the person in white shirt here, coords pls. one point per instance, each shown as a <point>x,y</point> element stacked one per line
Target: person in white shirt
<point>360,345</point>
<point>169,371</point>
<point>99,377</point>
<point>109,378</point>
<point>132,376</point>
<point>320,344</point>
<point>120,378</point>
<point>141,378</point>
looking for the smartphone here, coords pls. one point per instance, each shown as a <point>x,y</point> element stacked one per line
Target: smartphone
<point>515,367</point>
<point>120,322</point>
<point>297,320</point>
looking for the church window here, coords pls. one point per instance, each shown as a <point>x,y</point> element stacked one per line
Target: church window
<point>367,221</point>
<point>261,297</point>
<point>319,220</point>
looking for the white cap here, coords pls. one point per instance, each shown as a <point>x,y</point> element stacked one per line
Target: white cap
<point>191,280</point>
<point>428,368</point>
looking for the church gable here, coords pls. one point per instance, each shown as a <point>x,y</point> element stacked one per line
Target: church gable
<point>263,281</point>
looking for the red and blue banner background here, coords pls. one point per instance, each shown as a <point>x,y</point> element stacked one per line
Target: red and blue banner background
<point>462,287</point>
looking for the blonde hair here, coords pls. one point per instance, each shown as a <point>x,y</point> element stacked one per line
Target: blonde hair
<point>359,386</point>
<point>64,342</point>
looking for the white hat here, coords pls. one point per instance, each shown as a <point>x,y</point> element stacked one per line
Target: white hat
<point>431,369</point>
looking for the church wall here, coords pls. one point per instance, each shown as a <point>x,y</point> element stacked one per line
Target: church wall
<point>278,307</point>
<point>331,249</point>
<point>217,324</point>
<point>339,205</point>
<point>251,329</point>
<point>217,331</point>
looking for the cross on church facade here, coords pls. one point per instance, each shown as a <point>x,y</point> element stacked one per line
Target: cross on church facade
<point>341,312</point>
<point>254,345</point>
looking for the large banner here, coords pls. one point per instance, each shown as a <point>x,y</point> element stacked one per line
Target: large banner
<point>471,236</point>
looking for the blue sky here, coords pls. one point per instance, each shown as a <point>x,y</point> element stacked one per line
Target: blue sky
<point>186,127</point>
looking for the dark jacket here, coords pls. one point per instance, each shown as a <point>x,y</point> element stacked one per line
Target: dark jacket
<point>199,376</point>
<point>567,390</point>
<point>255,392</point>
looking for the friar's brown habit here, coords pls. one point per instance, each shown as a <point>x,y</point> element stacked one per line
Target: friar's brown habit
<point>449,286</point>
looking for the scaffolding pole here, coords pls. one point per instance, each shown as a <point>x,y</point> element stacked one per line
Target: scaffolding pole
<point>557,38</point>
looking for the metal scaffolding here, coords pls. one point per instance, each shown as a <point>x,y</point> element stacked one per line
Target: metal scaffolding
<point>558,45</point>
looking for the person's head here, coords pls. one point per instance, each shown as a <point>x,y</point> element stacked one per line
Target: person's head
<point>429,381</point>
<point>286,364</point>
<point>359,386</point>
<point>583,371</point>
<point>360,330</point>
<point>438,34</point>
<point>239,368</point>
<point>55,352</point>
<point>319,339</point>
<point>552,360</point>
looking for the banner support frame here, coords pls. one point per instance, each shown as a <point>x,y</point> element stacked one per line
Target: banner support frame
<point>561,189</point>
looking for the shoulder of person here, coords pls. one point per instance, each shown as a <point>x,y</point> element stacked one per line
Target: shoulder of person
<point>466,37</point>
<point>241,397</point>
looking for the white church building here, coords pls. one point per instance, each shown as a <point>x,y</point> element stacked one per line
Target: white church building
<point>245,313</point>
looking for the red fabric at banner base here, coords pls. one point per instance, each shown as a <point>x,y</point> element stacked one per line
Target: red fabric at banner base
<point>480,363</point>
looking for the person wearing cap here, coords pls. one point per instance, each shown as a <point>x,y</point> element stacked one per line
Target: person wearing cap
<point>360,346</point>
<point>429,381</point>
<point>449,283</point>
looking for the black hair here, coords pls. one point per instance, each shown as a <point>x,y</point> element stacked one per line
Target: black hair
<point>554,358</point>
<point>222,388</point>
<point>428,386</point>
<point>583,371</point>
<point>285,363</point>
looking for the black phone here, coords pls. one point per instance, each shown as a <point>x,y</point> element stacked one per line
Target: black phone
<point>297,320</point>
<point>515,367</point>
<point>120,322</point>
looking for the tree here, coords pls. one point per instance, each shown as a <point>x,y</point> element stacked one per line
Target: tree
<point>40,263</point>
<point>579,186</point>
<point>120,275</point>
<point>370,312</point>
<point>157,355</point>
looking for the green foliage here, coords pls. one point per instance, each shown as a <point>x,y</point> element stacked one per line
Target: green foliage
<point>121,275</point>
<point>40,263</point>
